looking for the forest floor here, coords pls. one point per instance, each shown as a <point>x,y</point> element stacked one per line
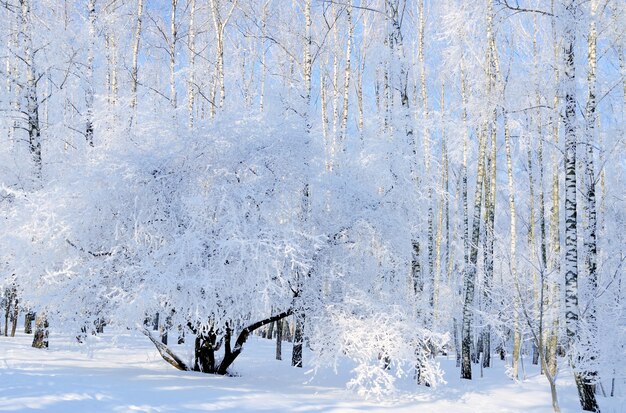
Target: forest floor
<point>126,374</point>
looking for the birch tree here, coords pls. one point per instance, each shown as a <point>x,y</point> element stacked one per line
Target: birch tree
<point>572,312</point>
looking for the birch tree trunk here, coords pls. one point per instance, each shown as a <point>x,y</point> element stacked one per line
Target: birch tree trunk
<point>89,93</point>
<point>441,212</point>
<point>466,240</point>
<point>470,274</point>
<point>335,83</point>
<point>307,66</point>
<point>192,63</point>
<point>135,68</point>
<point>555,233</point>
<point>590,238</point>
<point>219,23</point>
<point>572,322</point>
<point>263,55</point>
<point>172,53</point>
<point>112,76</point>
<point>513,249</point>
<point>346,80</point>
<point>530,241</point>
<point>32,100</point>
<point>427,155</point>
<point>490,183</point>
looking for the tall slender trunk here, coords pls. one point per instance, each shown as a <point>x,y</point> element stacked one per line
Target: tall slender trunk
<point>347,72</point>
<point>513,249</point>
<point>470,274</point>
<point>135,68</point>
<point>172,54</point>
<point>427,154</point>
<point>464,199</point>
<point>110,43</point>
<point>89,93</point>
<point>307,66</point>
<point>572,322</point>
<point>32,100</point>
<point>543,252</point>
<point>531,237</point>
<point>590,237</point>
<point>191,80</point>
<point>555,234</point>
<point>442,210</point>
<point>219,23</point>
<point>324,113</point>
<point>263,55</point>
<point>360,72</point>
<point>335,84</point>
<point>490,182</point>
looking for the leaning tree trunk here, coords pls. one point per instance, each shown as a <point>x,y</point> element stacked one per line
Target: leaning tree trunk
<point>206,345</point>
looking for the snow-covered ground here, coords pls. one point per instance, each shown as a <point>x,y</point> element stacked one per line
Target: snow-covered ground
<point>126,374</point>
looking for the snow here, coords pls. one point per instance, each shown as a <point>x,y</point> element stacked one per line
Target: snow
<point>124,373</point>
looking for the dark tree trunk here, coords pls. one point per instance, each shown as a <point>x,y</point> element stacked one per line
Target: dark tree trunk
<point>7,310</point>
<point>457,344</point>
<point>279,339</point>
<point>16,313</point>
<point>270,331</point>
<point>100,323</point>
<point>287,331</point>
<point>206,345</point>
<point>296,357</point>
<point>486,347</point>
<point>230,356</point>
<point>535,354</point>
<point>28,322</point>
<point>40,338</point>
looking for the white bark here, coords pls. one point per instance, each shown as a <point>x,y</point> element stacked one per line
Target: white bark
<point>192,63</point>
<point>89,92</point>
<point>135,68</point>
<point>172,53</point>
<point>347,71</point>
